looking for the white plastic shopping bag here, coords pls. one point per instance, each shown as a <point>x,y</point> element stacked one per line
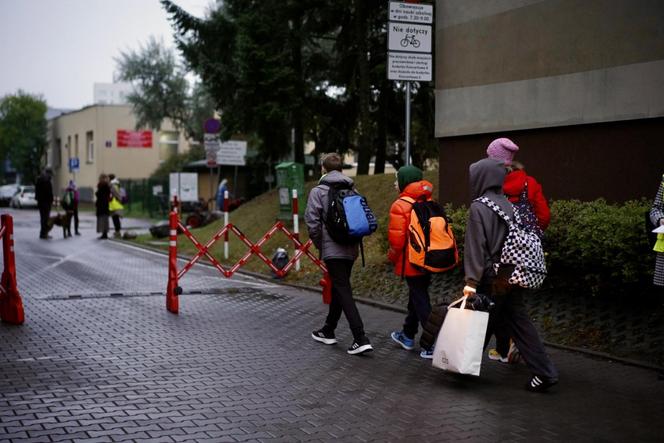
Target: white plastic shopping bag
<point>460,342</point>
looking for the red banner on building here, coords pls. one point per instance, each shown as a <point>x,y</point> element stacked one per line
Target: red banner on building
<point>134,139</point>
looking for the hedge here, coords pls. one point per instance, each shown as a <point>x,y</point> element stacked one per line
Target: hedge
<point>594,246</point>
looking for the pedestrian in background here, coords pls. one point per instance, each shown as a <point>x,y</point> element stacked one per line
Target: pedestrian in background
<point>67,204</point>
<point>411,188</point>
<point>486,232</point>
<point>338,258</point>
<point>221,194</point>
<point>103,195</point>
<point>115,205</point>
<point>44,197</point>
<point>74,190</point>
<point>657,219</point>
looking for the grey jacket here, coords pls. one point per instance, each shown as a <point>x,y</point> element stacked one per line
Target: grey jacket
<point>485,230</point>
<point>314,217</point>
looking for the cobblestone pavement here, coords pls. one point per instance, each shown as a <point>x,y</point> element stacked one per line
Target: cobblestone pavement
<point>239,365</point>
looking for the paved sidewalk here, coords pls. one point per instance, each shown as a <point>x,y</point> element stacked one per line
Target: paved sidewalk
<point>239,365</point>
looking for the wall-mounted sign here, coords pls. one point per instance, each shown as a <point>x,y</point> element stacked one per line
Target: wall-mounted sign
<point>232,152</point>
<point>134,139</point>
<point>184,185</point>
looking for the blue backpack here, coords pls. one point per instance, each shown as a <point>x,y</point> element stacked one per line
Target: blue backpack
<point>349,217</point>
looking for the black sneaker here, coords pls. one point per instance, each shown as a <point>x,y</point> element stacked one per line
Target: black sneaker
<point>324,337</point>
<point>540,384</point>
<point>360,346</point>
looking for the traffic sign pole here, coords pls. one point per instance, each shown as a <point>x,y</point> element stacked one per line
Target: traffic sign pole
<point>407,123</point>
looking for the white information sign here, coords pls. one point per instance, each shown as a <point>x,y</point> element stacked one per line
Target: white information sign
<point>211,143</point>
<point>411,12</point>
<point>411,67</point>
<point>232,152</point>
<point>184,185</point>
<point>408,37</point>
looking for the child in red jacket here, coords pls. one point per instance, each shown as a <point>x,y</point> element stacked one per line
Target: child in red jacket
<point>411,188</point>
<point>516,185</point>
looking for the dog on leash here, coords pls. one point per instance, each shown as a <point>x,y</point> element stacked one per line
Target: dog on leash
<point>63,220</point>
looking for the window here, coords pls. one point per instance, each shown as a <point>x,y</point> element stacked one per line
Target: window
<point>168,144</point>
<point>90,147</point>
<point>57,154</point>
<point>68,148</point>
<point>76,145</point>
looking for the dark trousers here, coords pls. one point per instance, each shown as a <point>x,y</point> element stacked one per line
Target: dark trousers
<point>342,298</point>
<point>66,223</point>
<point>116,222</point>
<point>419,304</point>
<point>76,219</point>
<point>44,213</point>
<point>509,313</point>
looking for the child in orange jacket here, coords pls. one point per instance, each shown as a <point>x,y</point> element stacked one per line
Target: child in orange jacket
<point>411,188</point>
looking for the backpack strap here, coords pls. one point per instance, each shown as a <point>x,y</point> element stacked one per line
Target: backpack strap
<point>337,185</point>
<point>495,208</point>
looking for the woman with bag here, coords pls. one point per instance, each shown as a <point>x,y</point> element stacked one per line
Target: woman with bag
<point>657,219</point>
<point>115,205</point>
<point>486,232</point>
<point>103,195</point>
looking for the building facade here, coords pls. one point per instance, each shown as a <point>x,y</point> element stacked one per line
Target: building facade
<point>104,140</point>
<point>577,84</point>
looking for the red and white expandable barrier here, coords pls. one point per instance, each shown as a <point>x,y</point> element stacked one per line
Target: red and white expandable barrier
<point>11,305</point>
<point>173,290</point>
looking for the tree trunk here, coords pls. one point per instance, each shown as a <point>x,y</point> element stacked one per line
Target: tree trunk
<point>364,140</point>
<point>297,115</point>
<point>381,136</point>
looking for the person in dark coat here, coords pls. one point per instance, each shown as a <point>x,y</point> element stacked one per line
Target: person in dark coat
<point>657,219</point>
<point>44,197</point>
<point>338,258</point>
<point>486,232</point>
<point>103,195</point>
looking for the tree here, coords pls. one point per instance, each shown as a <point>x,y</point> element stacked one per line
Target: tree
<point>23,133</point>
<point>163,91</point>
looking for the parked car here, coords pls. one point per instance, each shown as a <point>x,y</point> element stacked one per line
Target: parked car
<point>6,194</point>
<point>24,198</point>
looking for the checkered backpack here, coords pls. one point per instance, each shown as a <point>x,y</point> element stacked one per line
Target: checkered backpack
<point>522,249</point>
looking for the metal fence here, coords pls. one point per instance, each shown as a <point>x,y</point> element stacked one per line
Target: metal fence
<point>147,197</point>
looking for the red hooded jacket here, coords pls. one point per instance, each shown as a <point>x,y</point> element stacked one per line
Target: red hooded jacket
<point>514,183</point>
<point>397,229</point>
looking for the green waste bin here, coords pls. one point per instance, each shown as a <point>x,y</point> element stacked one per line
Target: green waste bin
<point>290,175</point>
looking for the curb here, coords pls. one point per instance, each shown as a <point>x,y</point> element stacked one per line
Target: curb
<point>400,309</point>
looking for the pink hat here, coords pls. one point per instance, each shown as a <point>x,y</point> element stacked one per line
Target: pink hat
<point>502,149</point>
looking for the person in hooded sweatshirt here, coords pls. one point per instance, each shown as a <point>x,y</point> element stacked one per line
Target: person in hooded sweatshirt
<point>485,234</point>
<point>338,258</point>
<point>411,188</point>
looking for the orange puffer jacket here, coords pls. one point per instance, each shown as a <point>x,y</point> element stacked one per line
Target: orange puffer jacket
<point>397,230</point>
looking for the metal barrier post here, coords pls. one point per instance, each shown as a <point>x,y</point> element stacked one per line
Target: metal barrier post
<point>11,305</point>
<point>296,223</point>
<point>172,289</point>
<point>226,224</point>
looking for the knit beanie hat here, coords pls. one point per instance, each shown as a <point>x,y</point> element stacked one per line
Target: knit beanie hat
<point>502,149</point>
<point>407,175</point>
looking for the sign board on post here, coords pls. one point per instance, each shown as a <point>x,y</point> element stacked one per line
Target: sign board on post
<point>411,12</point>
<point>232,152</point>
<point>410,67</point>
<point>211,143</point>
<point>184,185</point>
<point>408,37</point>
<point>74,164</point>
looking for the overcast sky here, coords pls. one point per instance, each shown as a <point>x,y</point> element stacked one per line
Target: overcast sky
<point>59,48</point>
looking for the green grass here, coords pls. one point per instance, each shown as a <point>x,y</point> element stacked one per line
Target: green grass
<point>255,218</point>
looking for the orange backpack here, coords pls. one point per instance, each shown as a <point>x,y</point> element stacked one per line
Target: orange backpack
<point>431,244</point>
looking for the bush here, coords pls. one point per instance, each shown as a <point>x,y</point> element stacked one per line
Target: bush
<point>601,245</point>
<point>595,246</point>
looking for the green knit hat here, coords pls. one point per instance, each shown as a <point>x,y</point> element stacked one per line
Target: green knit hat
<point>407,175</point>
